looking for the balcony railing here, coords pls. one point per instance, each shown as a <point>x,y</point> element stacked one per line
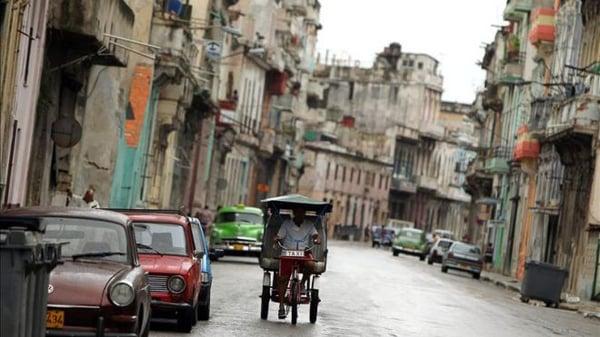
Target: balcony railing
<point>497,160</point>
<point>581,114</point>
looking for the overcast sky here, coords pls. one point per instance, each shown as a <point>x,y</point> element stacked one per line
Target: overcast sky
<point>452,31</point>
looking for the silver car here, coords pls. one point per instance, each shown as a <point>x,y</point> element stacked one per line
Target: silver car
<point>464,257</point>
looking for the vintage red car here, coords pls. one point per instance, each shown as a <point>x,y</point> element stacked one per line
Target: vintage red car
<point>171,253</point>
<point>100,289</point>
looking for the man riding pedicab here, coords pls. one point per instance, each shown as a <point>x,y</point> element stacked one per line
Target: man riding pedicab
<point>294,243</point>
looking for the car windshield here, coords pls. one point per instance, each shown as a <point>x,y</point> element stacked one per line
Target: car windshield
<point>412,235</point>
<point>239,217</point>
<point>466,249</point>
<point>85,238</point>
<point>167,239</point>
<point>445,244</point>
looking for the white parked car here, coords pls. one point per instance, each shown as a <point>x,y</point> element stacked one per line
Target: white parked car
<point>438,249</point>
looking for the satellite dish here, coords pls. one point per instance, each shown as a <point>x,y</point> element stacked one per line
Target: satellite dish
<point>66,132</point>
<point>221,184</point>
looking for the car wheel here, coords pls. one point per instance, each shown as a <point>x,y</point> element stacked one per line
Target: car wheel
<point>294,287</point>
<point>395,252</point>
<point>476,276</point>
<point>444,269</point>
<point>429,260</point>
<point>422,257</point>
<point>204,309</point>
<point>185,320</point>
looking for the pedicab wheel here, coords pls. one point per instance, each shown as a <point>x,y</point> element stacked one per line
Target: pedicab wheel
<point>264,302</point>
<point>395,252</point>
<point>422,257</point>
<point>294,301</point>
<point>444,269</point>
<point>314,305</point>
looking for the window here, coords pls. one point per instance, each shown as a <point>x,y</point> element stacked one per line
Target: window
<point>344,174</point>
<point>411,63</point>
<point>351,91</point>
<point>336,172</point>
<point>88,237</point>
<point>352,175</point>
<point>197,236</point>
<point>168,239</point>
<point>420,65</point>
<point>380,181</point>
<point>328,168</point>
<point>359,175</point>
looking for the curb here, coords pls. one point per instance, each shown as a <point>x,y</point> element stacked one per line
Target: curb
<point>585,311</point>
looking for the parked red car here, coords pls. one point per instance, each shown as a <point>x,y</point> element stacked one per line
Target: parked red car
<point>100,289</point>
<point>172,257</point>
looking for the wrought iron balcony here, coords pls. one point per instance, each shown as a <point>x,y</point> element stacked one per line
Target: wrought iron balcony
<point>578,115</point>
<point>85,24</point>
<point>497,160</point>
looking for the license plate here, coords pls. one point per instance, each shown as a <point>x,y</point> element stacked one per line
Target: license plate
<point>238,247</point>
<point>292,253</point>
<point>55,319</point>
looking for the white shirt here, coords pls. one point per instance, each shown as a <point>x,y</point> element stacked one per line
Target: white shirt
<point>296,237</point>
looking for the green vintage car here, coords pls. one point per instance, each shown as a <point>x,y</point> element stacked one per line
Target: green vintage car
<point>410,241</point>
<point>238,231</point>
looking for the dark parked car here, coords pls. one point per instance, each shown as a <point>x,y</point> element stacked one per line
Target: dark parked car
<point>100,289</point>
<point>464,257</point>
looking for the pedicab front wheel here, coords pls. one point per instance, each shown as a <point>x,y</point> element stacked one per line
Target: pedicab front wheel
<point>294,301</point>
<point>314,305</point>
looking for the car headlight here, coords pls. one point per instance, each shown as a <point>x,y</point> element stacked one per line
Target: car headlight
<point>121,294</point>
<point>176,284</point>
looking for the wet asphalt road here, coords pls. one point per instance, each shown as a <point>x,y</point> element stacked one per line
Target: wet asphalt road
<point>368,292</point>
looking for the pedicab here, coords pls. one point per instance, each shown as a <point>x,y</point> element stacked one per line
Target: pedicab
<point>275,257</point>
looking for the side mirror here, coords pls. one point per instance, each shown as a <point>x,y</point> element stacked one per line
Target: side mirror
<point>199,254</point>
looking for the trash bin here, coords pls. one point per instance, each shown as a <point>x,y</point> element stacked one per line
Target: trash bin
<point>26,264</point>
<point>543,282</point>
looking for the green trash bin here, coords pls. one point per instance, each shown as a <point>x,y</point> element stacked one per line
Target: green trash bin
<point>26,263</point>
<point>543,282</point>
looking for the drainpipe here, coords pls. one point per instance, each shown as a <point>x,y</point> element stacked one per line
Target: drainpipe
<point>10,163</point>
<point>198,147</point>
<point>511,236</point>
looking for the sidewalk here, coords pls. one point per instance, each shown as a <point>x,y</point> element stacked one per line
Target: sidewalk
<point>586,308</point>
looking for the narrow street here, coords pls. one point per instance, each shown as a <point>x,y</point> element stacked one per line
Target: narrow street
<point>368,292</point>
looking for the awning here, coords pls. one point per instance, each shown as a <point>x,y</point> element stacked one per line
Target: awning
<point>292,201</point>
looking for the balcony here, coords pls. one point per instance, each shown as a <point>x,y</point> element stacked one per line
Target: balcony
<point>497,160</point>
<point>83,25</point>
<point>431,130</point>
<point>403,184</point>
<point>512,73</point>
<point>177,47</point>
<point>491,99</point>
<point>575,122</point>
<point>427,183</point>
<point>516,9</point>
<point>540,113</point>
<point>527,147</point>
<point>542,26</point>
<point>296,7</point>
<point>267,142</point>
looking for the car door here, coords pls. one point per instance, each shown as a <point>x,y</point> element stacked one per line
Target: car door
<point>201,244</point>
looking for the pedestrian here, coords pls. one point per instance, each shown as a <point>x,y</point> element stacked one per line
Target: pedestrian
<point>367,233</point>
<point>88,200</point>
<point>489,253</point>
